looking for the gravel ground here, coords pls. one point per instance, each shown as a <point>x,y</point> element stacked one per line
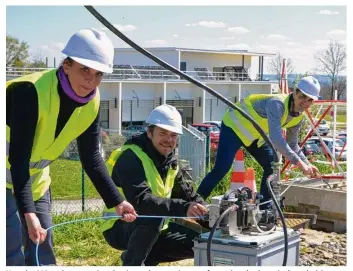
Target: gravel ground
<point>321,248</point>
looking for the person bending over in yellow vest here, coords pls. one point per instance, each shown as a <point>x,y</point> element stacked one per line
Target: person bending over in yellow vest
<point>273,113</point>
<point>146,170</point>
<point>45,111</point>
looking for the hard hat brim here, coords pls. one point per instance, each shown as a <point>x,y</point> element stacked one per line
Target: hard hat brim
<point>315,98</point>
<point>170,128</point>
<point>93,64</point>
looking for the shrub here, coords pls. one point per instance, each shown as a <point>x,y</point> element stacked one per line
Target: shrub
<point>111,143</point>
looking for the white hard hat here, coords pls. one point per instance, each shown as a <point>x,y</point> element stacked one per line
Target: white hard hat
<point>166,117</point>
<point>91,48</point>
<point>310,86</point>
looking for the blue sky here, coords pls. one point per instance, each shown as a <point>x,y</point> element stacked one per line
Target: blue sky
<point>295,31</point>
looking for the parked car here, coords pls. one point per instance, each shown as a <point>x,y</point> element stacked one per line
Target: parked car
<point>212,130</point>
<point>343,138</point>
<point>342,133</point>
<point>214,122</point>
<point>131,130</point>
<point>329,143</point>
<point>323,128</point>
<point>138,128</point>
<point>310,148</point>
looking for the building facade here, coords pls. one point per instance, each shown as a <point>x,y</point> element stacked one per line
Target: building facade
<point>138,84</point>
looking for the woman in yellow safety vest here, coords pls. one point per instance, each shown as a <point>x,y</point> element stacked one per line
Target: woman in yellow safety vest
<point>45,111</point>
<point>273,113</point>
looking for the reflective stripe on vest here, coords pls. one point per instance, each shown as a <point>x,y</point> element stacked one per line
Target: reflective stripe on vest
<point>245,130</point>
<point>154,181</point>
<point>40,164</point>
<point>46,148</point>
<point>37,165</point>
<point>9,178</point>
<point>240,125</point>
<point>7,148</point>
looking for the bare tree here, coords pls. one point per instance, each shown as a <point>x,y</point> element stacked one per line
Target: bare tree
<point>341,86</point>
<point>275,65</point>
<point>16,51</point>
<point>332,62</point>
<point>38,60</point>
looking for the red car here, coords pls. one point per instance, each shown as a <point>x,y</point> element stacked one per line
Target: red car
<point>212,130</point>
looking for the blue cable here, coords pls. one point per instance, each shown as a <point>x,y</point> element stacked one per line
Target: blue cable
<point>107,217</point>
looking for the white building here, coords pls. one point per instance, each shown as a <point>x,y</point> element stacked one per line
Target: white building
<point>138,84</point>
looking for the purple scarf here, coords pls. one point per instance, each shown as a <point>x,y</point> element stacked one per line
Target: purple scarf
<point>65,84</point>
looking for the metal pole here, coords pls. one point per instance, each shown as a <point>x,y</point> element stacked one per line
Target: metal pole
<point>83,189</point>
<point>210,109</point>
<point>334,131</point>
<point>208,150</point>
<point>131,113</point>
<point>276,182</point>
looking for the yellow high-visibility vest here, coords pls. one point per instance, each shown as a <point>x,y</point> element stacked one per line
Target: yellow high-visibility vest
<point>46,148</point>
<point>154,181</point>
<point>244,129</point>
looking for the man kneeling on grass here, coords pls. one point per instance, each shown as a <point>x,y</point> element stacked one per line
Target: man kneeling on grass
<point>145,169</point>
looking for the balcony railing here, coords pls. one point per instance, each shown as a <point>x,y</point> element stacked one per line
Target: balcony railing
<point>145,74</point>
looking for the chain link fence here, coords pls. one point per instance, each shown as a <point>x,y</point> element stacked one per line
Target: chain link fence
<point>71,189</point>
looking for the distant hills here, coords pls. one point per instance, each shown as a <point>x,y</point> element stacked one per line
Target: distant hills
<point>291,78</point>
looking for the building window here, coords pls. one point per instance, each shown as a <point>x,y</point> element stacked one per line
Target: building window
<point>104,115</point>
<point>183,66</point>
<point>185,108</point>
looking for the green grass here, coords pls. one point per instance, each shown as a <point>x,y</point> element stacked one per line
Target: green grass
<point>67,175</point>
<point>82,243</point>
<point>339,118</point>
<point>66,178</point>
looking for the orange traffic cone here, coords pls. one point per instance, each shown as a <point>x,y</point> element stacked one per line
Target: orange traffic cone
<point>250,179</point>
<point>238,175</point>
